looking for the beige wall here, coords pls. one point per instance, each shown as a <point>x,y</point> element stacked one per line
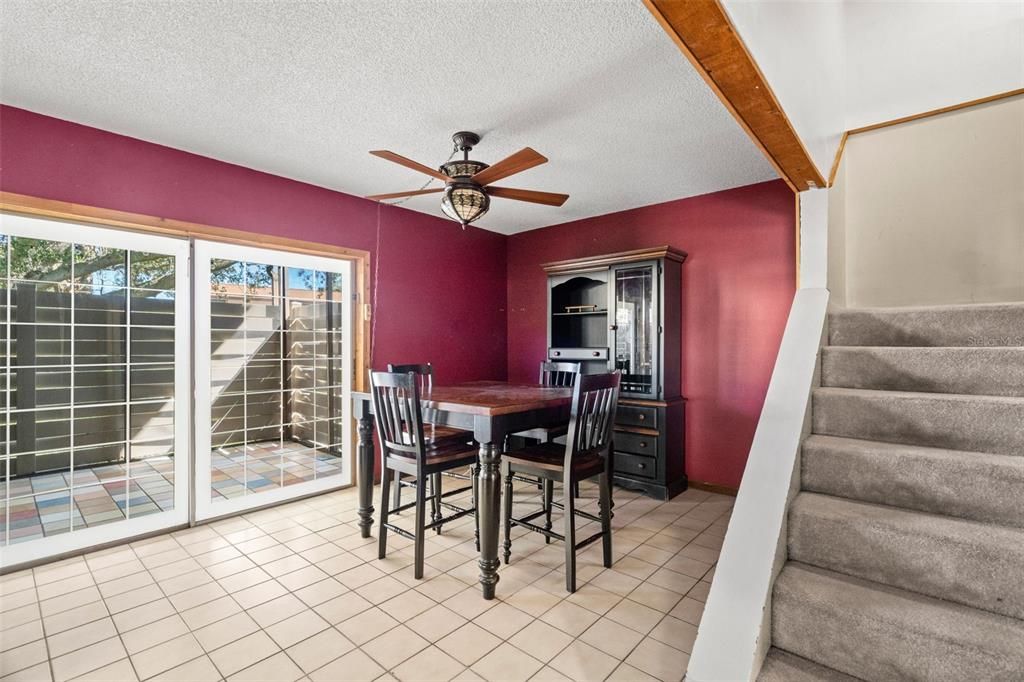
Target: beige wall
<point>931,211</point>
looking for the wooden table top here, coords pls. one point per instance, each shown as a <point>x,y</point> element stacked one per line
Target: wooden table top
<point>492,398</point>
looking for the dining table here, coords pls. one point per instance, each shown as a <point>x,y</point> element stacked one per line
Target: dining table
<point>491,410</point>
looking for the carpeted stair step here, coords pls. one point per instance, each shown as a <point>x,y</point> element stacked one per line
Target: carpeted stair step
<point>782,666</point>
<point>973,371</point>
<point>880,633</point>
<point>971,563</point>
<point>970,485</point>
<point>992,324</point>
<point>958,422</point>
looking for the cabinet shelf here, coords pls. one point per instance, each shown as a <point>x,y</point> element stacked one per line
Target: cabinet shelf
<point>623,312</point>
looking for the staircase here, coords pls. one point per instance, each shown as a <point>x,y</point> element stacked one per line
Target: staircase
<point>906,540</point>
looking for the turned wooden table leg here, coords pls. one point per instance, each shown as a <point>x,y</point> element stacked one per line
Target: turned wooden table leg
<point>364,468</point>
<point>488,504</point>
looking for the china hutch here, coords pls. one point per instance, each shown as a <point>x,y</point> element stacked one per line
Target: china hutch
<point>624,311</point>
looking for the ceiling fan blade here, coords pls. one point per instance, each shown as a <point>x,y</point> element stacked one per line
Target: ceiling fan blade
<point>396,195</point>
<point>533,196</point>
<point>522,160</point>
<point>409,163</point>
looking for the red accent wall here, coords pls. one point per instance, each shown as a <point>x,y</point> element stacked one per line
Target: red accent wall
<point>738,285</point>
<point>442,290</point>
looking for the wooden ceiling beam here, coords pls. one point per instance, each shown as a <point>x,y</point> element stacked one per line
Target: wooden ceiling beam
<point>702,31</point>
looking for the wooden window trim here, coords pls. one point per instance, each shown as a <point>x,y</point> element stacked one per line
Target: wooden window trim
<point>139,222</point>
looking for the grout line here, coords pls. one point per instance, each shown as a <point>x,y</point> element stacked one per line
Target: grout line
<point>314,512</point>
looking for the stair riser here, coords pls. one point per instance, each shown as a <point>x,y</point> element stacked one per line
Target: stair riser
<point>978,424</point>
<point>780,666</point>
<point>960,561</point>
<point>969,371</point>
<point>966,485</point>
<point>970,326</point>
<point>883,635</point>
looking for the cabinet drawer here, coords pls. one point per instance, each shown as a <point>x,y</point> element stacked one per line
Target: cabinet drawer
<point>635,465</point>
<point>635,443</point>
<point>634,415</point>
<point>576,354</point>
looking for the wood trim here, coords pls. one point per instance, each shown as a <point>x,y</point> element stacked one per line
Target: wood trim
<point>139,222</point>
<point>941,110</point>
<point>604,260</point>
<point>915,117</point>
<point>796,214</point>
<point>641,430</point>
<point>715,488</point>
<point>705,35</point>
<point>839,156</point>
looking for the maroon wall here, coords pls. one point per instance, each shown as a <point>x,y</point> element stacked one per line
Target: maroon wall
<point>738,284</point>
<point>442,290</point>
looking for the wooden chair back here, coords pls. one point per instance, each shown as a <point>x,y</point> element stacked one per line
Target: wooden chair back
<point>559,373</point>
<point>396,405</point>
<point>595,398</point>
<point>425,377</point>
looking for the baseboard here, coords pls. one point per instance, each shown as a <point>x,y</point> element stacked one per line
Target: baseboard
<point>715,488</point>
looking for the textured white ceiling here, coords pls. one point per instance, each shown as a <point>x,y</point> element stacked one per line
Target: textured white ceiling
<point>304,89</point>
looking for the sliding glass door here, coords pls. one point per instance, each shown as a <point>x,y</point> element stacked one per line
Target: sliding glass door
<point>94,323</point>
<point>273,350</point>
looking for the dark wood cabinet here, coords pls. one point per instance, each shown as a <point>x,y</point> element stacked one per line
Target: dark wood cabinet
<point>624,311</point>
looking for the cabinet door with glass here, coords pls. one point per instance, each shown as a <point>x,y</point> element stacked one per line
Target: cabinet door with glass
<point>635,328</point>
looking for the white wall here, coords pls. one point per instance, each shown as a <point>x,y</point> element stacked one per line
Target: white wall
<point>798,45</point>
<point>931,211</point>
<point>836,65</point>
<point>903,58</point>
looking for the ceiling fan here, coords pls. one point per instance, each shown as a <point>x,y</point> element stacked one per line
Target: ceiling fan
<point>468,189</point>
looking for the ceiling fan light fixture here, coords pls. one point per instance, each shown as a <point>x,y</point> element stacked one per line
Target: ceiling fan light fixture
<point>464,202</point>
<point>462,168</point>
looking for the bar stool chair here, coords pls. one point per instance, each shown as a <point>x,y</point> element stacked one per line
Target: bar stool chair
<point>560,374</point>
<point>586,454</point>
<point>555,374</point>
<point>434,433</point>
<point>406,450</point>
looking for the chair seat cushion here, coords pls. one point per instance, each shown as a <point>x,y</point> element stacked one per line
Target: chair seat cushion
<point>545,433</point>
<point>551,457</point>
<point>454,454</point>
<point>446,435</point>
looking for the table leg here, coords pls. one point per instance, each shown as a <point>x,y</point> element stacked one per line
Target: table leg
<point>488,503</point>
<point>364,470</point>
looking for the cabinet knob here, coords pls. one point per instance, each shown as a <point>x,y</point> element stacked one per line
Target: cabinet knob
<point>597,353</point>
<point>557,353</point>
<point>641,417</point>
<point>613,327</point>
<point>643,444</point>
<point>641,466</point>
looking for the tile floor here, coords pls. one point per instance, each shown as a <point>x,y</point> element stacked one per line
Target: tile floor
<point>294,593</point>
<point>43,504</point>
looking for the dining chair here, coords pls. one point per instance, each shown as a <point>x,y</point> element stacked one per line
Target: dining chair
<point>405,449</point>
<point>434,433</point>
<point>554,374</point>
<point>587,454</point>
<point>560,374</point>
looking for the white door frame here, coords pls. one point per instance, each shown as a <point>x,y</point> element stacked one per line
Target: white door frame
<point>204,251</point>
<point>86,233</point>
